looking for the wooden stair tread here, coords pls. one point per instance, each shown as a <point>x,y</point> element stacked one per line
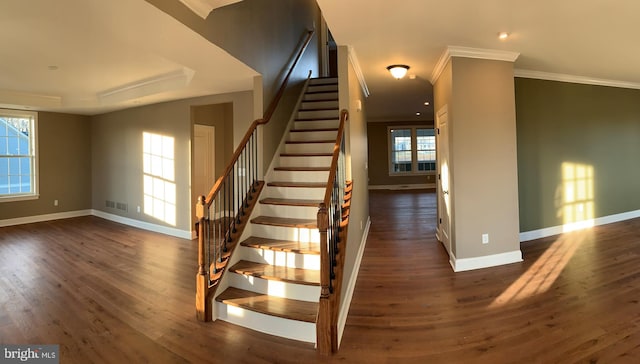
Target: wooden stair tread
<point>277,273</point>
<point>319,109</point>
<point>290,202</point>
<point>297,184</point>
<point>306,154</point>
<point>310,141</point>
<point>286,222</point>
<point>312,130</point>
<point>282,245</point>
<point>302,169</point>
<point>269,305</point>
<point>318,119</point>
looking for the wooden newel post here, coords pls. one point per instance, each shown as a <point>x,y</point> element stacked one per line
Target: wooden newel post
<point>323,322</point>
<point>203,304</point>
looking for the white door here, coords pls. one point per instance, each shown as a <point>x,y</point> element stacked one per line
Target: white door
<point>444,197</point>
<point>203,159</point>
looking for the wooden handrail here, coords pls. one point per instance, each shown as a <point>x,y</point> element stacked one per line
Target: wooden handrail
<point>266,117</point>
<point>326,332</point>
<point>344,116</point>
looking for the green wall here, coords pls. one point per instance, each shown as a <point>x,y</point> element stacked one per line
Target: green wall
<point>378,140</point>
<point>580,125</point>
<point>64,152</point>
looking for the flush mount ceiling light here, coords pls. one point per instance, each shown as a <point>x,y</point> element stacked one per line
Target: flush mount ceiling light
<point>398,70</point>
<point>503,35</point>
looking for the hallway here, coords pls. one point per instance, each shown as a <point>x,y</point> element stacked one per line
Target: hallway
<point>561,305</point>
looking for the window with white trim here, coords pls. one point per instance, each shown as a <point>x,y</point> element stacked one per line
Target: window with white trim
<point>412,150</point>
<point>18,155</point>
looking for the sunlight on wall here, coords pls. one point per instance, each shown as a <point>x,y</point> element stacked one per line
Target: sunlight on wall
<point>159,177</point>
<point>577,207</point>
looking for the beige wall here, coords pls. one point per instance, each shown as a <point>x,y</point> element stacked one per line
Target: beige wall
<point>220,116</point>
<point>443,98</point>
<point>350,93</point>
<point>264,35</point>
<point>483,152</point>
<point>482,155</point>
<point>117,152</point>
<point>378,151</point>
<point>64,149</point>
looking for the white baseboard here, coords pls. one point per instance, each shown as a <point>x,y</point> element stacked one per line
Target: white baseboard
<point>183,234</point>
<point>46,217</point>
<point>556,230</point>
<point>418,186</point>
<point>344,310</point>
<point>464,264</point>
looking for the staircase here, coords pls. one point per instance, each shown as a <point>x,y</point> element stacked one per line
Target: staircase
<point>273,282</point>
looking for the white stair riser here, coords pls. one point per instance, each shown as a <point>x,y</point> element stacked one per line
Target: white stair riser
<point>300,176</point>
<point>294,192</point>
<point>317,88</point>
<point>290,329</point>
<point>294,212</point>
<point>309,136</point>
<point>306,161</point>
<point>322,81</point>
<point>309,147</point>
<point>293,291</point>
<point>280,258</point>
<point>330,104</point>
<point>286,233</point>
<point>321,96</point>
<point>317,124</point>
<point>318,114</point>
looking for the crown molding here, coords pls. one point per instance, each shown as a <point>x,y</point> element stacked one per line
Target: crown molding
<point>574,79</point>
<point>356,66</point>
<point>29,100</point>
<point>468,52</point>
<point>148,86</point>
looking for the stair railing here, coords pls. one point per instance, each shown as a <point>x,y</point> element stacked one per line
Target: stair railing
<point>330,226</point>
<point>223,212</point>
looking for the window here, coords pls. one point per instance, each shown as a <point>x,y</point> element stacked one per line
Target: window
<point>18,157</point>
<point>159,177</point>
<point>412,150</point>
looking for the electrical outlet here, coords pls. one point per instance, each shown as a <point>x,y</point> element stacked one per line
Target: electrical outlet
<point>485,238</point>
<point>55,202</point>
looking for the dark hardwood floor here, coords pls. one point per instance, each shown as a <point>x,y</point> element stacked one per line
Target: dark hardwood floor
<point>108,293</point>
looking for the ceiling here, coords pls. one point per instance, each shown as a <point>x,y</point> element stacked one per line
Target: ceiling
<point>582,40</point>
<point>94,56</point>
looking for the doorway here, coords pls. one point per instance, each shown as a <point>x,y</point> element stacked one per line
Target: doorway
<point>203,158</point>
<point>444,174</point>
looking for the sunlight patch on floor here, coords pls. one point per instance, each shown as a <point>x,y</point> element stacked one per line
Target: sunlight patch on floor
<point>545,271</point>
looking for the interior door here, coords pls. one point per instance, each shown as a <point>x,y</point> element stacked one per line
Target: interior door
<point>444,174</point>
<point>203,159</point>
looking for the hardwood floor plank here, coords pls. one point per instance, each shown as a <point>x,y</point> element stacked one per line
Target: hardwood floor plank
<point>108,293</point>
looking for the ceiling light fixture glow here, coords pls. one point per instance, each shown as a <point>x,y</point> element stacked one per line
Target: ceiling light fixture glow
<point>503,35</point>
<point>398,70</point>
